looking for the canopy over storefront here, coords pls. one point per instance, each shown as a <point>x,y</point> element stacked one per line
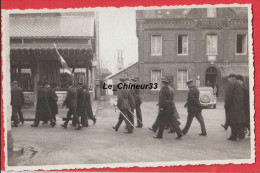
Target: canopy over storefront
<point>235,69</point>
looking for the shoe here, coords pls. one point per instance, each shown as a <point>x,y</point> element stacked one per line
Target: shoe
<point>127,132</point>
<point>232,139</point>
<point>64,126</point>
<point>14,125</point>
<point>157,137</point>
<point>203,134</point>
<point>53,124</point>
<point>33,125</point>
<point>94,121</point>
<point>78,128</point>
<point>116,129</point>
<point>151,129</point>
<point>224,126</point>
<point>73,125</point>
<point>138,126</point>
<point>179,136</point>
<point>184,133</point>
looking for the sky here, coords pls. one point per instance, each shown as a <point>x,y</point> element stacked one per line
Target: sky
<point>117,30</point>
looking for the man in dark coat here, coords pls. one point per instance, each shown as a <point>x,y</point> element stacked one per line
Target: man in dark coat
<point>43,111</point>
<point>234,107</point>
<point>138,102</point>
<point>71,102</point>
<point>194,109</point>
<point>132,92</point>
<point>17,101</point>
<point>124,102</point>
<point>89,110</point>
<point>166,109</point>
<point>81,105</point>
<point>52,98</point>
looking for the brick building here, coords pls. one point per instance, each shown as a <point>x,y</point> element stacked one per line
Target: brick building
<point>203,44</point>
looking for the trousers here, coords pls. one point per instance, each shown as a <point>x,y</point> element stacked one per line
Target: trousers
<point>15,110</point>
<point>190,117</point>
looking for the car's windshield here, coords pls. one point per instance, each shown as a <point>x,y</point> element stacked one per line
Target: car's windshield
<point>205,92</point>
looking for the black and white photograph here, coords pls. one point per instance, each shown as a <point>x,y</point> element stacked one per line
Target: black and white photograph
<point>130,86</point>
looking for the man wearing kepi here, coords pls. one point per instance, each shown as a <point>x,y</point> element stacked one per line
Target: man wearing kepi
<point>234,107</point>
<point>194,108</point>
<point>71,102</point>
<point>166,108</point>
<point>124,101</point>
<point>17,101</point>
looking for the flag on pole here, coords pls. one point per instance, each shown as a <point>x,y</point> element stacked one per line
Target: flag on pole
<point>64,65</point>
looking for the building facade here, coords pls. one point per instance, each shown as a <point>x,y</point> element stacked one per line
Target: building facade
<point>203,44</point>
<point>33,57</point>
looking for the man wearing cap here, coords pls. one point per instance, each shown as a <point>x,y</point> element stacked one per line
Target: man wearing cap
<point>17,101</point>
<point>124,102</point>
<point>52,98</point>
<point>138,103</point>
<point>43,111</point>
<point>71,102</point>
<point>166,109</point>
<point>234,107</point>
<point>194,108</point>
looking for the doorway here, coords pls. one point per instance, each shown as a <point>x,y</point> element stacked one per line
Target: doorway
<point>211,79</point>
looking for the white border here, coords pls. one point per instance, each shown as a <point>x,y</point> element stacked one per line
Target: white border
<point>6,91</point>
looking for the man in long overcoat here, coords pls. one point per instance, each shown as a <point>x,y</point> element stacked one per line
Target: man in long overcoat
<point>166,109</point>
<point>194,109</point>
<point>138,102</point>
<point>43,111</point>
<point>124,102</point>
<point>81,105</point>
<point>52,98</point>
<point>89,110</point>
<point>17,101</point>
<point>234,107</point>
<point>71,102</point>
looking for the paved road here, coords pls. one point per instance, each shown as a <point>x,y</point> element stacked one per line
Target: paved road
<point>101,144</point>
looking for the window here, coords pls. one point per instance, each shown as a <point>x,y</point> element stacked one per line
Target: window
<point>212,44</point>
<point>211,12</point>
<point>156,45</point>
<point>182,44</point>
<point>241,44</point>
<point>182,79</point>
<point>156,77</point>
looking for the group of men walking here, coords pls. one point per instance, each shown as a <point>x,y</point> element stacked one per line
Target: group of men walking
<point>78,101</point>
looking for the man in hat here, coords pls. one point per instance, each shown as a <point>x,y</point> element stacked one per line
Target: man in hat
<point>124,102</point>
<point>234,107</point>
<point>166,109</point>
<point>53,99</point>
<point>71,102</point>
<point>43,111</point>
<point>17,101</point>
<point>138,103</point>
<point>194,108</point>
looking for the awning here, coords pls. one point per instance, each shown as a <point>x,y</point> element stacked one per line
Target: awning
<point>235,69</point>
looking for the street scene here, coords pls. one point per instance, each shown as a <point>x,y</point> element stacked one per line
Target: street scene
<point>151,85</point>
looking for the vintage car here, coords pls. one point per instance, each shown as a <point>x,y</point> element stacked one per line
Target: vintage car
<point>207,97</point>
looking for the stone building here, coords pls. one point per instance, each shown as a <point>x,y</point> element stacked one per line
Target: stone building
<point>203,44</point>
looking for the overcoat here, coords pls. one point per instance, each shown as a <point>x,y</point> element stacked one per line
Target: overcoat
<point>124,99</point>
<point>234,103</point>
<point>17,97</point>
<point>53,98</point>
<point>87,102</point>
<point>138,100</point>
<point>71,98</point>
<point>43,111</point>
<point>193,102</point>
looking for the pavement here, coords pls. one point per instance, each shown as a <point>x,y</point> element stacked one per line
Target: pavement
<point>100,144</point>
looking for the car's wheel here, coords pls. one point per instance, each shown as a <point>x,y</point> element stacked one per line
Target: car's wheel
<point>214,106</point>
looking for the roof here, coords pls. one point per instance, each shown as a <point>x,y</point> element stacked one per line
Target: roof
<point>51,26</point>
<point>235,69</point>
<point>123,69</point>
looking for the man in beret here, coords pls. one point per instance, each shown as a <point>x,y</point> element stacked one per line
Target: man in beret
<point>166,109</point>
<point>124,102</point>
<point>194,108</point>
<point>234,107</point>
<point>17,101</point>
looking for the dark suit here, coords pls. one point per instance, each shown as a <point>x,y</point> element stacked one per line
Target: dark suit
<point>138,103</point>
<point>53,98</point>
<point>17,101</point>
<point>71,102</point>
<point>124,104</point>
<point>166,110</point>
<point>194,110</point>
